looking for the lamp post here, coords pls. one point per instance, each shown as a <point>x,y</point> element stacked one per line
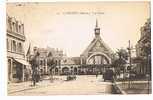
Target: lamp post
<point>129,50</point>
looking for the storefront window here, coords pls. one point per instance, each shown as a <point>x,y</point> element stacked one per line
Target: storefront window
<point>14,70</point>
<point>9,69</point>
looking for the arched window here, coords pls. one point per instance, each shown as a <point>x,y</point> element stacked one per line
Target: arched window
<point>14,46</point>
<point>41,62</point>
<point>20,48</point>
<point>19,28</point>
<point>44,62</point>
<point>98,59</point>
<point>22,28</point>
<point>14,27</point>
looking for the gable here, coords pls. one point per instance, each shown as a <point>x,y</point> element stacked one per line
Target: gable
<point>97,45</point>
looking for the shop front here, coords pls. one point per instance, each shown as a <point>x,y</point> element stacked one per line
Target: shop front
<point>16,69</point>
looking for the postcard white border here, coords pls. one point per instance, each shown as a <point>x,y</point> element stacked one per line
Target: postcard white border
<point>3,68</point>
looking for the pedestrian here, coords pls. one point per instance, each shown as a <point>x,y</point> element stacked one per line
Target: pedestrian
<point>96,74</point>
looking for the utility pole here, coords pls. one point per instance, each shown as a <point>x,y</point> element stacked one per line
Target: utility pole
<point>129,50</point>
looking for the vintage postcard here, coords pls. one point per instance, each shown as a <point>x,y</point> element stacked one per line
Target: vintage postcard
<point>78,48</point>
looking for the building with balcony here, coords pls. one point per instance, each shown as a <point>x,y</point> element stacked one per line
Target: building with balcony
<point>15,50</point>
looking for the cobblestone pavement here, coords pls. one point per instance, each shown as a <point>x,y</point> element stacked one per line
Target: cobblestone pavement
<point>83,85</point>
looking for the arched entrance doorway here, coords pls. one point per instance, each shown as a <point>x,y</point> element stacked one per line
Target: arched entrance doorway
<point>56,71</point>
<point>75,70</point>
<point>97,62</point>
<point>65,70</point>
<point>98,58</point>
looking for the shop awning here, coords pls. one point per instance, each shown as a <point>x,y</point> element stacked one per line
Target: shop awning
<point>24,62</point>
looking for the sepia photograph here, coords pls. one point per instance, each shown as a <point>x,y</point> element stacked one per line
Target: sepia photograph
<point>78,48</point>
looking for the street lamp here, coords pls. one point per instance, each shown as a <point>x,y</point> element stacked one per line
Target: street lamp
<point>129,49</point>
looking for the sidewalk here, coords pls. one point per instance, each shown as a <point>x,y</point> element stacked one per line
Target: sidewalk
<point>16,87</point>
<point>136,87</point>
<point>22,86</point>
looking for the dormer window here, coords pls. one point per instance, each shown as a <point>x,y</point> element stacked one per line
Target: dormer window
<point>19,28</point>
<point>22,28</point>
<point>16,27</point>
<point>13,25</point>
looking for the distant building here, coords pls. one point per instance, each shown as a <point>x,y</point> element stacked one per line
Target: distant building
<point>96,54</point>
<point>143,49</point>
<point>15,50</point>
<point>43,60</point>
<point>69,65</point>
<point>64,64</point>
<point>56,54</point>
<point>92,60</point>
<point>76,60</point>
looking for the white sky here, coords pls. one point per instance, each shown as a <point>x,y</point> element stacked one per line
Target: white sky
<point>46,25</point>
